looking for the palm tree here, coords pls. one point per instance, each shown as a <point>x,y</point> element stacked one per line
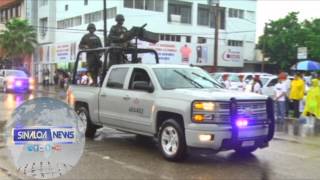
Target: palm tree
<point>18,40</point>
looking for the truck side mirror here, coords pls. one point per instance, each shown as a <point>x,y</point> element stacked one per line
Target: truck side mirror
<point>143,85</point>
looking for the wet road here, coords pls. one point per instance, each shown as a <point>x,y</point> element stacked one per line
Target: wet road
<point>117,155</point>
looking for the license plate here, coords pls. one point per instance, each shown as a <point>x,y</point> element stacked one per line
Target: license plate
<point>247,143</point>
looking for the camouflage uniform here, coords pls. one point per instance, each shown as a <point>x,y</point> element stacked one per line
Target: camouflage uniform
<point>118,36</point>
<point>91,41</point>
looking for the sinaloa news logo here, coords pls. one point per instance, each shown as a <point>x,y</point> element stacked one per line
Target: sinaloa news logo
<point>45,138</point>
<point>61,135</point>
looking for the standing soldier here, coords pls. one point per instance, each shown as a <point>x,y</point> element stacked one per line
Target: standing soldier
<point>91,41</point>
<point>118,37</point>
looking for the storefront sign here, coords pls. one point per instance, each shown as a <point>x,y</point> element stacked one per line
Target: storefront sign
<point>231,57</point>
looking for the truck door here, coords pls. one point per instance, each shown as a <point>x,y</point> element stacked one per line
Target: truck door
<point>113,99</point>
<point>141,101</point>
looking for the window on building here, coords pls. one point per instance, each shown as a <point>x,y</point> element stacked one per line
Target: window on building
<point>203,16</point>
<point>250,15</point>
<point>14,12</point>
<point>206,16</point>
<point>180,11</point>
<point>236,13</point>
<point>235,43</point>
<point>169,37</point>
<point>8,14</point>
<point>159,5</point>
<point>222,18</point>
<point>43,2</point>
<point>98,15</point>
<point>111,13</point>
<point>128,3</point>
<point>43,27</point>
<point>85,2</point>
<point>202,40</point>
<point>178,38</point>
<point>93,17</point>
<point>149,5</point>
<point>161,37</point>
<point>66,7</point>
<point>18,11</point>
<point>2,18</point>
<point>139,4</point>
<point>70,22</point>
<point>152,5</point>
<point>188,39</point>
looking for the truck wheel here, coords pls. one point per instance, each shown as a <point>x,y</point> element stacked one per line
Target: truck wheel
<point>172,141</point>
<point>246,150</point>
<point>85,118</point>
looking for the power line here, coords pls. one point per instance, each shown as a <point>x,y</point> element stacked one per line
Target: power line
<point>100,31</point>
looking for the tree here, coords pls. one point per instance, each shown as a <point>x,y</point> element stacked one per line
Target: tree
<point>312,42</point>
<point>18,39</point>
<point>280,40</point>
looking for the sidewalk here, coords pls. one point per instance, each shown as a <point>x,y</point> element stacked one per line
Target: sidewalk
<point>292,131</point>
<point>52,89</point>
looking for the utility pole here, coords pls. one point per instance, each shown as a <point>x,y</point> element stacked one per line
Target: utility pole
<point>263,47</point>
<point>216,34</point>
<point>105,22</point>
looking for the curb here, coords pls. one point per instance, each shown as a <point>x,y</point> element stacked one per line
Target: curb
<point>293,140</point>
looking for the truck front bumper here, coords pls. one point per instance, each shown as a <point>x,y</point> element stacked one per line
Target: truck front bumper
<point>221,137</point>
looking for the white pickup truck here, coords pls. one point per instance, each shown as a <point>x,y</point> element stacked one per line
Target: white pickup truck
<point>182,106</point>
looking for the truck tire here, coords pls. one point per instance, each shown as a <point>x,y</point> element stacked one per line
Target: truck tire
<point>91,128</point>
<point>172,141</point>
<point>246,150</point>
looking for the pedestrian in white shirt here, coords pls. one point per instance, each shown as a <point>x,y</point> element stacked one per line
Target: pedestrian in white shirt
<point>242,86</point>
<point>257,85</point>
<point>225,81</point>
<point>280,93</point>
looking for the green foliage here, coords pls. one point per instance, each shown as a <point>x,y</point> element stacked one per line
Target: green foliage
<point>282,37</point>
<point>18,39</point>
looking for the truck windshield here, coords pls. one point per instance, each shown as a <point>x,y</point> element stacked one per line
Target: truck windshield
<point>176,78</point>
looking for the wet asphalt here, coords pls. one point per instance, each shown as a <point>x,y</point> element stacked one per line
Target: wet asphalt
<point>119,155</point>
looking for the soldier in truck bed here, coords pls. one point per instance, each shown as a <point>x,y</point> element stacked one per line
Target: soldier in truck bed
<point>118,37</point>
<point>91,41</point>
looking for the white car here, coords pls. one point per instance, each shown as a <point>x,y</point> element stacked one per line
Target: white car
<point>15,80</point>
<point>233,78</point>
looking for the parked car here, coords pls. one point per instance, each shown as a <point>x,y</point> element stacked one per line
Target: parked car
<point>233,78</point>
<point>15,80</point>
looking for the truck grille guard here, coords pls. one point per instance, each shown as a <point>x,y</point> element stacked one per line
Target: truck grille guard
<point>234,116</point>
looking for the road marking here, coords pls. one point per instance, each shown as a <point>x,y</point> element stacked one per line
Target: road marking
<point>128,166</point>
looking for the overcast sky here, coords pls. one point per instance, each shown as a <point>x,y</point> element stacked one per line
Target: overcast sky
<point>275,9</point>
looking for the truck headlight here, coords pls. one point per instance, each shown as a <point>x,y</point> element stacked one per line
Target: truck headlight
<point>204,106</point>
<point>210,112</point>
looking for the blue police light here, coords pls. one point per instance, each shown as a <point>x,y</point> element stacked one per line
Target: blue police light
<point>241,122</point>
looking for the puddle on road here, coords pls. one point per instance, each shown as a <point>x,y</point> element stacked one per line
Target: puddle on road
<point>299,129</point>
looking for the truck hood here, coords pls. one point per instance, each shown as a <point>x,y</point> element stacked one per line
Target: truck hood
<point>210,94</point>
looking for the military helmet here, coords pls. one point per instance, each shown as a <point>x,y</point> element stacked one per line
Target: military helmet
<point>91,26</point>
<point>119,17</point>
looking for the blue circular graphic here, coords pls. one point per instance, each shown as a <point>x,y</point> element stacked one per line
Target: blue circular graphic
<point>45,138</point>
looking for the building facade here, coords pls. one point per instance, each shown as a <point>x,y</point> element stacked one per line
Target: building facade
<point>185,28</point>
<point>10,9</point>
